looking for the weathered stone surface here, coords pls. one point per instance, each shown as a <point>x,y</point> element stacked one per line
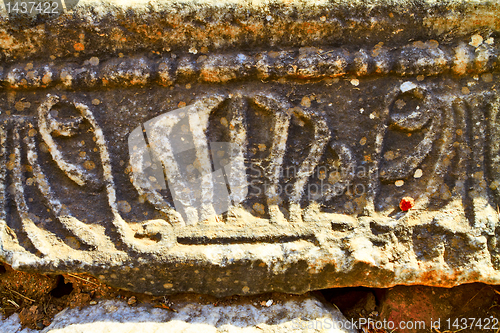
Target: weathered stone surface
<point>281,314</point>
<point>240,148</point>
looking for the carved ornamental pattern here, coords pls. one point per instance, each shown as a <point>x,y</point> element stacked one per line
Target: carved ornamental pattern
<point>326,140</point>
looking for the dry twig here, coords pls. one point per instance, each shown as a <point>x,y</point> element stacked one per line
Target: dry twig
<point>15,292</point>
<point>80,278</point>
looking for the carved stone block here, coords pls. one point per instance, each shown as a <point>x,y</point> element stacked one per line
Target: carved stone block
<point>252,147</point>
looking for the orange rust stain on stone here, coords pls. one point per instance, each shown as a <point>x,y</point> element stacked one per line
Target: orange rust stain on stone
<point>136,81</point>
<point>79,47</point>
<point>208,75</point>
<point>254,27</point>
<point>429,277</point>
<point>479,18</point>
<point>439,278</point>
<point>46,78</point>
<point>310,27</point>
<point>6,40</point>
<point>89,165</point>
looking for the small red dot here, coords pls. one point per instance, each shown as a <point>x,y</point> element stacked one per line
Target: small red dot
<point>406,203</point>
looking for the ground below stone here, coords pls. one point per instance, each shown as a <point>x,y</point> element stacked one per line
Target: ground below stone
<point>38,298</point>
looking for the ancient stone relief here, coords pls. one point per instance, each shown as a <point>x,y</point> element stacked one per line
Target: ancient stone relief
<point>301,146</point>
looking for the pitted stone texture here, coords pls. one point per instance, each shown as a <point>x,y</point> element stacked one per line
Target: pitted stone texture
<point>331,135</point>
<point>284,315</point>
<point>194,27</point>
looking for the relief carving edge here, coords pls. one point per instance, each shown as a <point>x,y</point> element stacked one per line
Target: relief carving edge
<point>449,116</point>
<point>401,170</point>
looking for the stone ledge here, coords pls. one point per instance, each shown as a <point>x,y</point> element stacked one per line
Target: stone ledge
<point>308,63</point>
<point>112,27</point>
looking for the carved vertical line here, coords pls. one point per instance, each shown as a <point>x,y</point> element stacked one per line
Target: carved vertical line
<point>166,155</point>
<point>198,121</point>
<point>485,217</point>
<point>347,163</point>
<point>277,155</point>
<point>43,185</point>
<point>320,140</point>
<point>434,181</point>
<point>494,143</point>
<point>198,124</point>
<point>32,231</point>
<point>3,171</point>
<point>445,152</point>
<point>5,232</point>
<point>374,169</point>
<point>104,155</point>
<point>463,167</point>
<point>493,170</point>
<point>158,130</point>
<point>238,137</point>
<point>143,186</point>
